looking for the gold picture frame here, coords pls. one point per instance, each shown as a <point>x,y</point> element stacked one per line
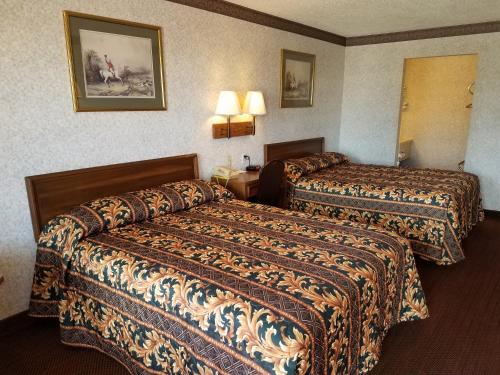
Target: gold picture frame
<point>114,65</point>
<point>297,79</point>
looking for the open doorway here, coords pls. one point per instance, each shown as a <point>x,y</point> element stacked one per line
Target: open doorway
<point>436,105</point>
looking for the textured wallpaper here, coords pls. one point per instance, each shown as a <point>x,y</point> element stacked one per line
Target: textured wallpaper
<point>203,53</point>
<point>370,110</point>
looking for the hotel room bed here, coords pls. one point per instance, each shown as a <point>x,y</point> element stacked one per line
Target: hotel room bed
<point>184,278</point>
<point>434,209</point>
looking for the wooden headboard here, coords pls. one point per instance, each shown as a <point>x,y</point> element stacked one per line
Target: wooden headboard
<point>55,193</point>
<point>293,149</point>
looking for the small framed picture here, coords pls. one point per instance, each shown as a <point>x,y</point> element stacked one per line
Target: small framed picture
<point>297,79</point>
<point>114,65</point>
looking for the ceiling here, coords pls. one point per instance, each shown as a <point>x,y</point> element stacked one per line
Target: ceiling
<point>364,17</point>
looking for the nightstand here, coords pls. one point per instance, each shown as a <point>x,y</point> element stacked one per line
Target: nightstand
<point>245,185</point>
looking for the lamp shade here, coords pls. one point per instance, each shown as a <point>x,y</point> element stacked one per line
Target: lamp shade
<point>254,103</point>
<point>228,104</point>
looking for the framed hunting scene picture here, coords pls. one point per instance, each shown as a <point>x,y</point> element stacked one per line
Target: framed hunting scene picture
<point>297,79</point>
<point>114,65</point>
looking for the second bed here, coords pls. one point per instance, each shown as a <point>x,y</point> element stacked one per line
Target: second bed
<point>434,209</point>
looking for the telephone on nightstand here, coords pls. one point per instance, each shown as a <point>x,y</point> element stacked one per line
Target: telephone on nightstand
<point>225,172</point>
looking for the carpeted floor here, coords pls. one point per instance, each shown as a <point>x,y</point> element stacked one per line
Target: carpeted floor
<point>462,336</point>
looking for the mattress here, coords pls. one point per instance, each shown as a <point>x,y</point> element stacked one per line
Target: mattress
<point>434,209</point>
<point>185,279</point>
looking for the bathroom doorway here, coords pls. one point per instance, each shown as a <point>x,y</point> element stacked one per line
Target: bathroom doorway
<point>436,106</point>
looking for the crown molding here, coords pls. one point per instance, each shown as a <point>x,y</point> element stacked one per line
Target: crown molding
<point>247,14</point>
<point>437,32</point>
<point>250,15</point>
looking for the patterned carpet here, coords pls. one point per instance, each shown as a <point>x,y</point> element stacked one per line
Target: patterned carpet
<point>462,336</point>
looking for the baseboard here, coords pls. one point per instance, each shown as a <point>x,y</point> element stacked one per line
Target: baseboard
<point>15,322</point>
<point>492,213</point>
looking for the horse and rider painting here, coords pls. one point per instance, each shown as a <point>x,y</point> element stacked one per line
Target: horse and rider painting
<point>130,73</point>
<point>115,65</point>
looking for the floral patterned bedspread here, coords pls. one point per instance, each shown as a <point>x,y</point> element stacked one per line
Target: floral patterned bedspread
<point>185,279</point>
<point>435,209</point>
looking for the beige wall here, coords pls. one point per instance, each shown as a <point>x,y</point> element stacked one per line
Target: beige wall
<point>436,117</point>
<point>370,107</point>
<point>204,53</point>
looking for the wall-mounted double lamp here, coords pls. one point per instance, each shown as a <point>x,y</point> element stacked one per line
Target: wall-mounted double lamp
<point>228,105</point>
